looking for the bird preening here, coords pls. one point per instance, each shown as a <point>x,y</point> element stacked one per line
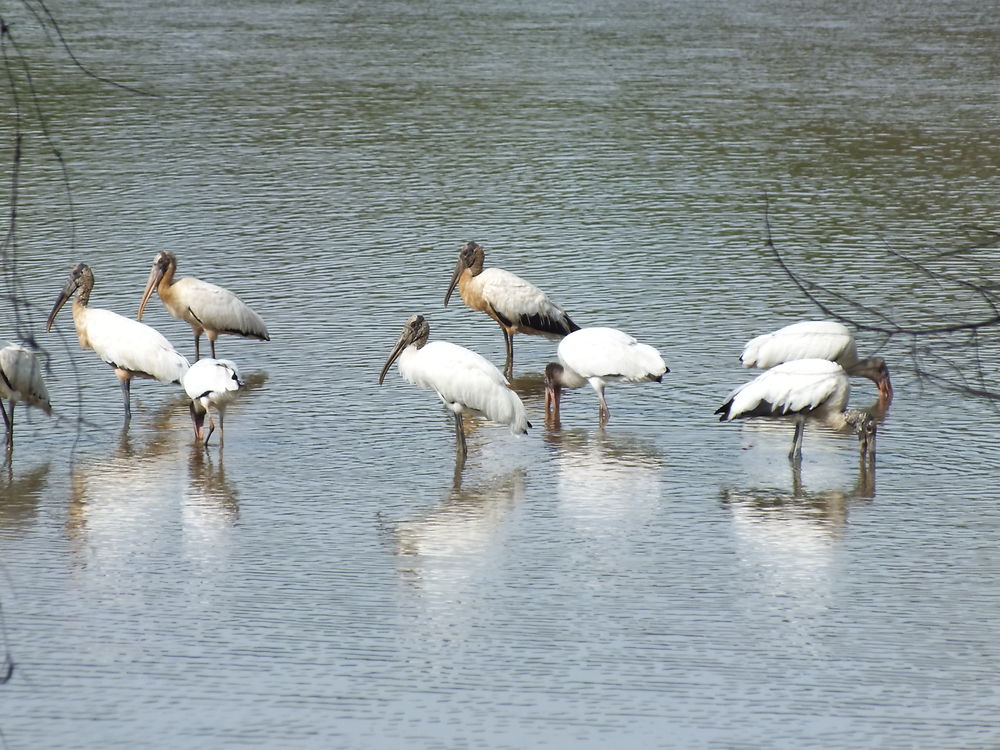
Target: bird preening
<point>466,382</point>
<point>516,305</point>
<point>205,307</point>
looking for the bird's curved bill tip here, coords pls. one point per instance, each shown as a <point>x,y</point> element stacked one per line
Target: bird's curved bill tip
<point>459,267</point>
<point>154,278</point>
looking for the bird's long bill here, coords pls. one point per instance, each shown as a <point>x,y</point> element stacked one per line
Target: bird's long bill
<point>64,295</point>
<point>868,444</point>
<point>401,344</point>
<point>885,389</point>
<point>552,394</point>
<point>459,267</point>
<point>154,278</point>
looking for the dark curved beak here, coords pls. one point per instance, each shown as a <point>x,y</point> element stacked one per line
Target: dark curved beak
<point>401,344</point>
<point>155,274</point>
<point>459,267</point>
<point>71,286</point>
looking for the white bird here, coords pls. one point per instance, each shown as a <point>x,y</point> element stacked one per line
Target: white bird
<point>211,382</point>
<point>205,307</point>
<point>132,348</point>
<point>466,382</point>
<point>599,356</point>
<point>803,389</point>
<point>20,380</point>
<point>515,304</point>
<point>820,339</point>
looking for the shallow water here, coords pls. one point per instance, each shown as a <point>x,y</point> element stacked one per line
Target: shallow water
<point>330,579</point>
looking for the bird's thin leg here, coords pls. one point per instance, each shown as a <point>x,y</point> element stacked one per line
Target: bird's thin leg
<point>508,340</point>
<point>212,342</point>
<point>197,345</point>
<point>795,454</point>
<point>126,397</point>
<point>604,414</point>
<point>9,420</point>
<point>459,435</point>
<point>211,426</point>
<point>222,428</point>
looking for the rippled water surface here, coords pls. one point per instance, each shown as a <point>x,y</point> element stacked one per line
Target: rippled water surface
<point>331,580</point>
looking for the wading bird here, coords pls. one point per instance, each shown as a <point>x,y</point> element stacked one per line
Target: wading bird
<point>515,304</point>
<point>132,348</point>
<point>211,382</point>
<point>205,307</point>
<point>599,356</point>
<point>20,380</point>
<point>466,382</point>
<point>819,339</point>
<point>801,390</point>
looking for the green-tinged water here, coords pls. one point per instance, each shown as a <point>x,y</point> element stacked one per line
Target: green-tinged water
<point>330,580</point>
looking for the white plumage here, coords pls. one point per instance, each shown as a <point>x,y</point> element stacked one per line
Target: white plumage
<point>801,389</point>
<point>211,383</point>
<point>466,382</point>
<point>599,356</point>
<point>21,380</point>
<point>132,348</point>
<point>516,305</point>
<point>816,339</point>
<point>204,306</point>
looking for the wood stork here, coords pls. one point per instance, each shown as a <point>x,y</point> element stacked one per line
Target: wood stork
<point>821,339</point>
<point>20,380</point>
<point>803,389</point>
<point>205,307</point>
<point>515,304</point>
<point>211,382</point>
<point>466,382</point>
<point>132,348</point>
<point>599,356</point>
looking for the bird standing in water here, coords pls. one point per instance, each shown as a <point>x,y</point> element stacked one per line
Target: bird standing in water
<point>20,380</point>
<point>466,382</point>
<point>516,305</point>
<point>132,348</point>
<point>204,306</point>
<point>599,356</point>
<point>819,339</point>
<point>802,390</point>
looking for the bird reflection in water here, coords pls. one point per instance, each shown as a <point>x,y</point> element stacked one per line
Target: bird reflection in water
<point>120,504</point>
<point>789,544</point>
<point>21,494</point>
<point>605,480</point>
<point>440,548</point>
